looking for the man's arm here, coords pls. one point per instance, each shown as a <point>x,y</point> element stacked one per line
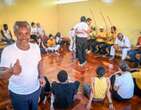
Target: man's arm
<point>41,68</point>
<point>2,33</point>
<point>116,73</point>
<point>111,107</point>
<point>90,101</point>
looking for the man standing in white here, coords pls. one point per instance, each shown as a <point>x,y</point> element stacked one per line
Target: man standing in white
<point>82,31</point>
<point>24,68</point>
<point>122,44</point>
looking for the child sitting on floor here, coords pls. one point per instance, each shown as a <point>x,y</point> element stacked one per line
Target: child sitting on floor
<point>51,45</point>
<point>63,91</point>
<point>100,88</point>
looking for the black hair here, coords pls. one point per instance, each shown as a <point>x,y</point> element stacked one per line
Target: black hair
<point>100,71</point>
<point>89,19</point>
<point>50,35</point>
<point>114,27</point>
<point>32,23</point>
<point>83,19</point>
<point>58,34</point>
<point>5,25</point>
<point>62,76</point>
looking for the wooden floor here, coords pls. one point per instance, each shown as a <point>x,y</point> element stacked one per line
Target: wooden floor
<point>55,63</point>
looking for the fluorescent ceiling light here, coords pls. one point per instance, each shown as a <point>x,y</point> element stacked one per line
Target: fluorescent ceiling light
<point>107,1</point>
<point>69,1</point>
<point>9,2</point>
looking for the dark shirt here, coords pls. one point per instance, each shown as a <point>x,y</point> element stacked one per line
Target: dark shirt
<point>64,94</point>
<point>44,90</point>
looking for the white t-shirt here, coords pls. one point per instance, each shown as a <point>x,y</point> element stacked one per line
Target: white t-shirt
<point>7,34</point>
<point>72,33</point>
<point>125,84</point>
<point>34,31</point>
<point>125,42</point>
<point>40,31</point>
<point>27,81</point>
<point>81,27</point>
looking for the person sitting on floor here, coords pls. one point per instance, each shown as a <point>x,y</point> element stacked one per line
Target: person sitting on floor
<point>100,41</point>
<point>111,36</point>
<point>51,45</point>
<point>45,91</point>
<point>100,88</point>
<point>135,54</point>
<point>137,82</point>
<point>58,38</point>
<point>40,31</point>
<point>7,35</point>
<point>64,91</point>
<point>121,44</point>
<point>122,83</point>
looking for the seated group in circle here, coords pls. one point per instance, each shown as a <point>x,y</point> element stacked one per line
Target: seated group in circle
<point>121,86</point>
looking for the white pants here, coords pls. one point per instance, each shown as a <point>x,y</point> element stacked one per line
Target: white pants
<point>52,100</point>
<point>72,46</point>
<point>124,52</point>
<point>54,48</point>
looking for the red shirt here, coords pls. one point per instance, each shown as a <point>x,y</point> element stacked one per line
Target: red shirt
<point>139,41</point>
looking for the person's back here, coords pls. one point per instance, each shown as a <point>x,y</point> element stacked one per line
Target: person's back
<point>126,85</point>
<point>80,29</point>
<point>100,87</point>
<point>122,83</point>
<point>137,81</point>
<point>64,94</point>
<point>64,91</point>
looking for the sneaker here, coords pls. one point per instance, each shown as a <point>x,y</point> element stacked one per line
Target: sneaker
<point>89,51</point>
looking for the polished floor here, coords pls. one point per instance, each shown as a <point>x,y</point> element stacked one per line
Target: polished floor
<point>55,63</point>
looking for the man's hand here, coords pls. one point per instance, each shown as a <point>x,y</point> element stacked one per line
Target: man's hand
<point>16,69</point>
<point>88,107</point>
<point>42,81</point>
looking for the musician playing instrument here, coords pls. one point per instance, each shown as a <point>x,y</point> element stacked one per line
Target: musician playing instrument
<point>111,36</point>
<point>100,41</point>
<point>121,44</point>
